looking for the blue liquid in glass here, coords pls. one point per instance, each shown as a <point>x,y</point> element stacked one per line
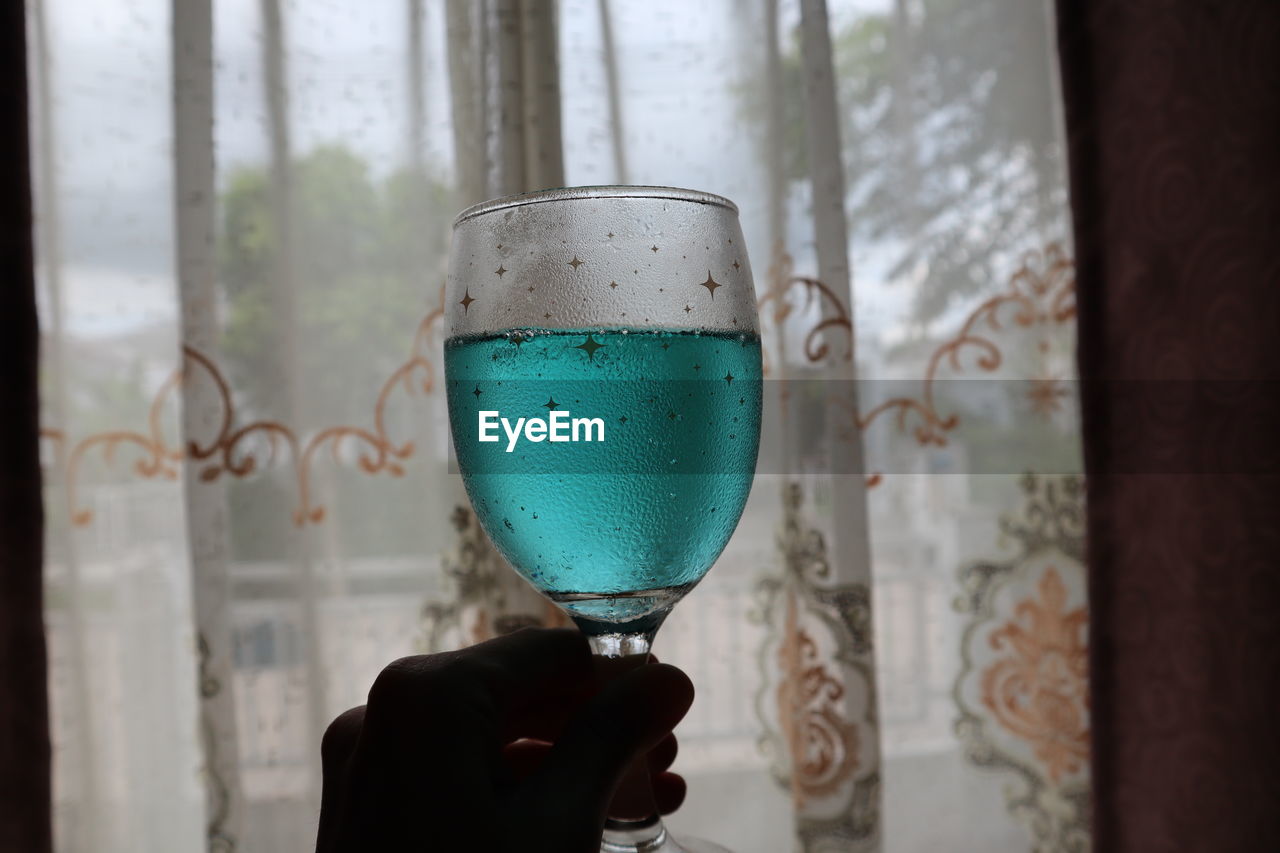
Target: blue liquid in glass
<point>619,528</point>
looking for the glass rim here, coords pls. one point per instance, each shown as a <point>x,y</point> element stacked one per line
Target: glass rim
<point>590,192</point>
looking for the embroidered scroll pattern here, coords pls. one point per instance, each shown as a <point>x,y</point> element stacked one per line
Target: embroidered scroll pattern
<point>1022,693</point>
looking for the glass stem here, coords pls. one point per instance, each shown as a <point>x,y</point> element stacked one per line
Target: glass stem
<point>617,645</point>
<point>617,653</point>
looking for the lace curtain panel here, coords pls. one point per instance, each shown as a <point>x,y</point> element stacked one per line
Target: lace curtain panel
<point>243,212</point>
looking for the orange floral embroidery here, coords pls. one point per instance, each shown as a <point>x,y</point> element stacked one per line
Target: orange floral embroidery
<point>1041,292</point>
<point>1045,396</point>
<point>1039,690</point>
<point>823,745</point>
<point>227,453</point>
<point>783,282</point>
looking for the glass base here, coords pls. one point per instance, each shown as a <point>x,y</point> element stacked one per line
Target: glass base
<point>619,838</point>
<point>699,845</point>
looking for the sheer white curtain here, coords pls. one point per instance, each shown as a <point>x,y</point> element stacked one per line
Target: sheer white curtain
<point>243,212</point>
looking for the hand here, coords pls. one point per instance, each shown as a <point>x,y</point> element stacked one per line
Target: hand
<point>508,745</point>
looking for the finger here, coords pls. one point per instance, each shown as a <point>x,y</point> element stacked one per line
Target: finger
<point>336,749</point>
<point>630,716</point>
<point>542,683</point>
<point>517,668</point>
<point>547,722</point>
<point>433,724</point>
<point>546,718</point>
<point>339,740</point>
<point>533,662</point>
<point>484,687</point>
<point>663,755</point>
<point>524,757</point>
<point>668,792</point>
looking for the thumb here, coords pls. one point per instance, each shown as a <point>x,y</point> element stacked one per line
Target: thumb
<point>630,716</point>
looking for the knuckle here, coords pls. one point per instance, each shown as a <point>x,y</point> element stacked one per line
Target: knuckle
<point>433,684</point>
<point>470,679</point>
<point>340,737</point>
<point>462,687</point>
<point>478,670</point>
<point>467,690</point>
<point>397,681</point>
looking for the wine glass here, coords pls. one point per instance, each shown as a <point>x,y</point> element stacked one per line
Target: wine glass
<point>603,374</point>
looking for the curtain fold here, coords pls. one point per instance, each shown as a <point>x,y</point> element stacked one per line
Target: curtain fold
<point>504,68</point>
<point>1174,125</point>
<point>205,502</point>
<point>25,819</point>
<point>836,793</point>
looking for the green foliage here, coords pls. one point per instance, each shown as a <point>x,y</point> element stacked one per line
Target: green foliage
<point>366,259</point>
<point>951,156</point>
<point>318,317</point>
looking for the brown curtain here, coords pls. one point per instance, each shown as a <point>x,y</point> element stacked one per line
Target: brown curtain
<point>1173,117</point>
<point>24,722</point>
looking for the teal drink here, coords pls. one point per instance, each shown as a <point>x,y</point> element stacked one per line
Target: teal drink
<point>620,522</point>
